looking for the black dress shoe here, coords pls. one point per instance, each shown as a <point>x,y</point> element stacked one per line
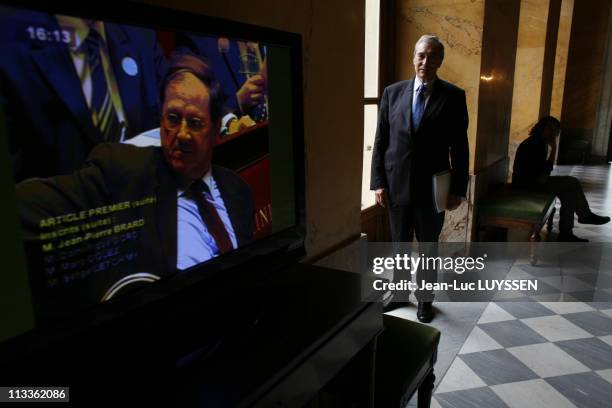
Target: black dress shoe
<point>594,219</point>
<point>570,238</point>
<point>394,305</point>
<point>425,312</point>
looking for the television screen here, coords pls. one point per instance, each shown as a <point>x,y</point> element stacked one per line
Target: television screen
<point>138,153</point>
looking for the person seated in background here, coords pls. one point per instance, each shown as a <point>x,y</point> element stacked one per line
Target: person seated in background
<point>532,170</point>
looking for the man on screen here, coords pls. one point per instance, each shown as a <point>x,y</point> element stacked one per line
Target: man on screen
<point>200,210</point>
<point>422,130</point>
<point>68,84</point>
<point>189,129</point>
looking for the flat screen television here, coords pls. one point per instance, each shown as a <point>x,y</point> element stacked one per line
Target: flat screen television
<point>152,169</point>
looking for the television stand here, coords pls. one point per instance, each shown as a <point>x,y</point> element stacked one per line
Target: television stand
<point>314,327</point>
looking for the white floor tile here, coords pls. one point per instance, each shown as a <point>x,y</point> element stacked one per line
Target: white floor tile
<point>567,283</point>
<point>435,404</point>
<point>556,328</point>
<point>494,313</point>
<point>548,360</point>
<point>532,394</point>
<point>459,377</point>
<point>478,340</point>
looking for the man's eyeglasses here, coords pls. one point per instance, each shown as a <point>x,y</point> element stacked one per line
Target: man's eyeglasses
<point>174,120</point>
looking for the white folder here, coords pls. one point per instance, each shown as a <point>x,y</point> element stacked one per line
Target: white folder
<point>441,186</point>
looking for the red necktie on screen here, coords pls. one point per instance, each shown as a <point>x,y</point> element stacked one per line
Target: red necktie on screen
<point>210,216</point>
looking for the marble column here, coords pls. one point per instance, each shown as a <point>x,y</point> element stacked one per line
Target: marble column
<point>528,72</point>
<point>550,49</point>
<point>584,84</point>
<point>563,38</point>
<point>603,128</point>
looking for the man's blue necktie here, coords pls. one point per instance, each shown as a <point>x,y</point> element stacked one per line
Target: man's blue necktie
<point>101,101</point>
<point>419,107</point>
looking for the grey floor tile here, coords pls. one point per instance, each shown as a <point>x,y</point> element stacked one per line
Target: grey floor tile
<point>567,283</point>
<point>585,390</point>
<point>607,339</point>
<point>512,333</point>
<point>596,323</point>
<point>603,281</point>
<point>592,352</point>
<point>497,367</point>
<point>602,295</point>
<point>601,305</point>
<point>542,270</point>
<point>586,296</point>
<point>605,374</point>
<point>548,297</point>
<point>522,310</point>
<point>595,279</point>
<point>477,397</point>
<point>544,288</point>
<point>567,307</point>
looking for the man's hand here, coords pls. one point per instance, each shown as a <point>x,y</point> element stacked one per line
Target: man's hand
<point>381,197</point>
<point>452,202</point>
<point>251,93</point>
<point>236,125</point>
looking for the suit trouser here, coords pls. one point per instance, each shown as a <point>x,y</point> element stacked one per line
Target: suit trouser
<point>569,190</point>
<point>424,222</point>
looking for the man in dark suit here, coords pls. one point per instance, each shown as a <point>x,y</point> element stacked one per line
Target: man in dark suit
<point>422,123</point>
<point>68,84</point>
<point>194,211</point>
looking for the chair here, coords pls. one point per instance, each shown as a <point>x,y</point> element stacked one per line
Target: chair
<point>507,207</point>
<point>405,357</point>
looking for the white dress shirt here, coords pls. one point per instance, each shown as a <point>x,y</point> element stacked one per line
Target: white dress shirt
<point>415,91</point>
<point>194,243</point>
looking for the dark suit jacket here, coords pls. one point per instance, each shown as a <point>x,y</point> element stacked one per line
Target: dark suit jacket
<point>531,168</point>
<point>118,173</point>
<point>49,124</point>
<point>404,160</point>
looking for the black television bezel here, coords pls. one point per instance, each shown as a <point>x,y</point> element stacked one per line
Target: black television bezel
<point>270,253</point>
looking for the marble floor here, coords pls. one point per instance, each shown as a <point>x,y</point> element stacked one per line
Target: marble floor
<point>531,353</point>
